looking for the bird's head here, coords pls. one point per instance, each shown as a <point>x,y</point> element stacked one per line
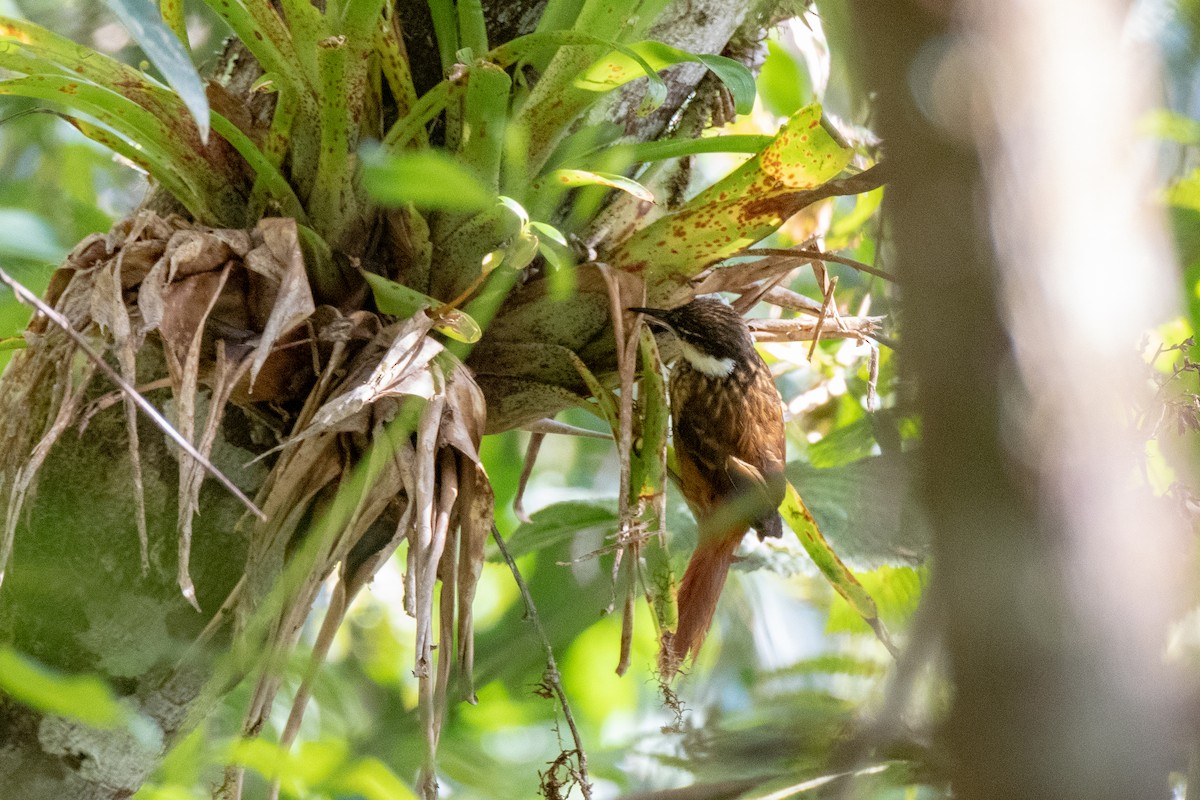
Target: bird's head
<point>712,335</point>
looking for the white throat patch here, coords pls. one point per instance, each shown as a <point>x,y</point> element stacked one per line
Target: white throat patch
<point>705,364</point>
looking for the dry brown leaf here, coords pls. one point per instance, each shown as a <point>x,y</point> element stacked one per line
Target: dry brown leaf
<point>282,264</point>
<point>185,385</point>
<point>109,311</point>
<point>401,371</point>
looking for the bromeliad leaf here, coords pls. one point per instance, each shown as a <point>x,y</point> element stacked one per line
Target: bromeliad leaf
<point>579,177</point>
<point>678,148</point>
<point>739,210</point>
<point>400,301</point>
<point>165,51</point>
<point>631,62</point>
<point>427,179</point>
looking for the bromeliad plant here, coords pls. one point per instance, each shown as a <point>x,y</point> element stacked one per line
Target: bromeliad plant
<point>354,276</point>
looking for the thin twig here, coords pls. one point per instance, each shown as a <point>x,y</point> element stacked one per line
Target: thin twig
<point>531,454</point>
<point>794,301</point>
<point>819,255</point>
<point>803,329</point>
<point>29,298</point>
<point>825,306</point>
<point>564,429</point>
<point>552,676</point>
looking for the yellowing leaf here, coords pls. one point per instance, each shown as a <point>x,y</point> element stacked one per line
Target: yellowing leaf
<point>747,205</point>
<point>579,177</point>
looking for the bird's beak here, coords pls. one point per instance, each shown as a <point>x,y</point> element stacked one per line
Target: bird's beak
<point>657,317</point>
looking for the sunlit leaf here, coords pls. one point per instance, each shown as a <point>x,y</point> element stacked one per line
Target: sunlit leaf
<point>783,81</point>
<point>895,590</point>
<point>550,232</point>
<point>1175,127</point>
<point>371,779</point>
<point>1185,192</point>
<point>865,206</point>
<point>579,177</point>
<point>165,51</point>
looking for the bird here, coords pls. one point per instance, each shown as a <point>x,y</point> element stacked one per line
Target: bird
<point>727,426</point>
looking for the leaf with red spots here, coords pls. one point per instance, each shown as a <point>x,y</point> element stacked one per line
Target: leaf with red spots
<point>747,205</point>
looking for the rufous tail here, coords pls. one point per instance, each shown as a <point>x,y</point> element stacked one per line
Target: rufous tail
<point>698,594</point>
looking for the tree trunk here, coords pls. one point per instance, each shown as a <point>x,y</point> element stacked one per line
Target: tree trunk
<point>1053,578</point>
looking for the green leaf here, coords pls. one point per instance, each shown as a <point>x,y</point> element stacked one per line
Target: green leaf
<point>678,148</point>
<point>144,22</point>
<point>801,521</point>
<point>606,401</point>
<point>646,58</point>
<point>24,234</point>
<point>485,119</point>
<point>396,298</point>
<point>783,82</point>
<point>866,509</point>
<point>896,591</point>
<point>850,441</point>
<point>83,697</point>
<point>427,179</point>
<point>558,523</point>
<point>549,232</point>
<point>162,145</point>
<point>371,779</point>
<point>736,77</point>
<point>579,177</point>
<point>1185,192</point>
<point>865,206</point>
<point>400,301</point>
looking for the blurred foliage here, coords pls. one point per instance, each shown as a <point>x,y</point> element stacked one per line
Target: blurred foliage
<point>788,667</point>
